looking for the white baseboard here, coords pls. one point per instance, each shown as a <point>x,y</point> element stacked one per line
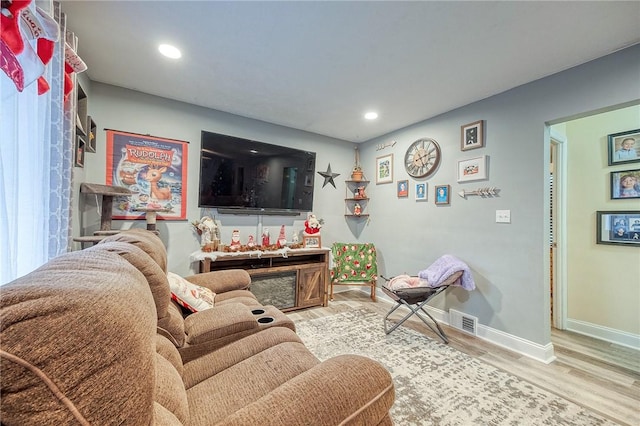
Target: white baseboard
<point>607,334</point>
<point>542,353</point>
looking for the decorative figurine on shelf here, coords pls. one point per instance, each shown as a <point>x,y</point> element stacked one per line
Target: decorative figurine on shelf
<point>209,234</point>
<point>266,240</point>
<point>356,172</point>
<point>235,240</point>
<point>294,238</point>
<point>282,239</point>
<point>357,210</point>
<point>251,243</point>
<point>360,194</point>
<point>312,225</point>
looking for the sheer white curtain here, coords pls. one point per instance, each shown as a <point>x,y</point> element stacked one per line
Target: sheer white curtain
<point>35,168</point>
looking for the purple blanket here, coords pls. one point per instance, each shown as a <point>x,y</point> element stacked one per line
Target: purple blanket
<point>443,268</point>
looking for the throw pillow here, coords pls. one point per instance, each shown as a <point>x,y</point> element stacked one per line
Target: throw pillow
<point>191,296</point>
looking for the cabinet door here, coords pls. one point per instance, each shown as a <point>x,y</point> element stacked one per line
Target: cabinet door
<point>311,286</point>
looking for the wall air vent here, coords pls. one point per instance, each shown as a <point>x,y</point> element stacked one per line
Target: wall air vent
<point>463,322</point>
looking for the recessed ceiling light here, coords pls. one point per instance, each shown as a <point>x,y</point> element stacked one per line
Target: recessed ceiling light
<point>170,51</point>
<point>371,115</point>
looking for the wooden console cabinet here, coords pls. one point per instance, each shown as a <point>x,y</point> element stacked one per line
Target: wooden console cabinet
<point>309,266</point>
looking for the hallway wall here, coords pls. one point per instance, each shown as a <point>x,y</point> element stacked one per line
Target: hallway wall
<point>603,280</point>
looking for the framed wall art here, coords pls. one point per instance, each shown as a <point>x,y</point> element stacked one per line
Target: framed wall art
<point>625,184</point>
<point>421,192</point>
<point>80,149</point>
<point>618,227</point>
<point>153,168</point>
<point>403,188</point>
<point>624,147</point>
<point>442,194</point>
<point>473,169</point>
<point>384,169</point>
<point>311,241</point>
<point>472,135</point>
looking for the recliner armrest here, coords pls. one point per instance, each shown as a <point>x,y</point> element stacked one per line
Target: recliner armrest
<point>346,389</point>
<point>218,322</point>
<point>222,281</point>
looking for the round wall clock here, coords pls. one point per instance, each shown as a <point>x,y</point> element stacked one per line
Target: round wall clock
<point>422,158</point>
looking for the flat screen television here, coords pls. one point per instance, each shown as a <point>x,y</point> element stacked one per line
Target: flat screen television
<point>243,176</point>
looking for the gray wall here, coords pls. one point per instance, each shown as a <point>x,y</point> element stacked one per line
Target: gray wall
<point>509,261</point>
<point>120,109</point>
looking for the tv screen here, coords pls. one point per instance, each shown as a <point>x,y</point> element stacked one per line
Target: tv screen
<point>251,176</point>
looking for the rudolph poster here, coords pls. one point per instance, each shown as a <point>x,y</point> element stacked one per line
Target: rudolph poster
<point>154,169</point>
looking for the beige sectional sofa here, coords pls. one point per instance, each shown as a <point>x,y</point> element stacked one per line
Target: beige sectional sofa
<point>199,333</point>
<point>89,338</point>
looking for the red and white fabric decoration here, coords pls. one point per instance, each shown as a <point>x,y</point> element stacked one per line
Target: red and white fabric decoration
<point>28,36</point>
<point>42,32</point>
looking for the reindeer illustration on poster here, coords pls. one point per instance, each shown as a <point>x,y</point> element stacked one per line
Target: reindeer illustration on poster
<point>153,168</point>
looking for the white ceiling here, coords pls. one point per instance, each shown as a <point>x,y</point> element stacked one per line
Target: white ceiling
<point>318,66</point>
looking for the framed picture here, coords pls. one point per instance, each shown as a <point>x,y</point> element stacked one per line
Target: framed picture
<point>472,135</point>
<point>384,169</point>
<point>624,147</point>
<point>618,227</point>
<point>442,194</point>
<point>403,188</point>
<point>79,151</point>
<point>153,168</point>
<point>473,169</point>
<point>421,192</point>
<point>625,184</point>
<point>311,241</point>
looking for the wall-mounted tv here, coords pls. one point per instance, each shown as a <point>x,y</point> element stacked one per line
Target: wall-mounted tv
<point>244,176</point>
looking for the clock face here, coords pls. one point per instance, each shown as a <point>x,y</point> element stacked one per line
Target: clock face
<point>422,158</point>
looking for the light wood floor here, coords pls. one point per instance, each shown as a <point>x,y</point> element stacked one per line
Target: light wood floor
<point>600,376</point>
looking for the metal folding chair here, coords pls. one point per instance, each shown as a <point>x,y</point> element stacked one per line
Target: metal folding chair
<point>415,299</point>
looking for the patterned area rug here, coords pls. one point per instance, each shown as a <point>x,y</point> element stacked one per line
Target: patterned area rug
<point>436,384</point>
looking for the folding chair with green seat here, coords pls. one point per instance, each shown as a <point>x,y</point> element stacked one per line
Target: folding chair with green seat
<point>354,264</point>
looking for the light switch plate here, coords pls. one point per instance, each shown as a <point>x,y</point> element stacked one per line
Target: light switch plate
<point>503,216</point>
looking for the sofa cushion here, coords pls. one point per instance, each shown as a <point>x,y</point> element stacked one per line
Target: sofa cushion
<point>170,322</point>
<point>148,241</point>
<point>237,296</point>
<point>188,295</point>
<point>169,352</point>
<point>172,325</point>
<point>94,349</point>
<point>164,417</point>
<point>169,391</point>
<point>247,382</point>
<point>154,274</point>
<point>200,369</point>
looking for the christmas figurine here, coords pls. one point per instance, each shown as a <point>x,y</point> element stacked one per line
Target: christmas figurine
<point>282,239</point>
<point>235,240</point>
<point>357,210</point>
<point>312,225</point>
<point>251,243</point>
<point>294,238</point>
<point>266,241</point>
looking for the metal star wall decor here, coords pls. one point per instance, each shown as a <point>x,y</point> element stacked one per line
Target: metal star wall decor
<point>328,176</point>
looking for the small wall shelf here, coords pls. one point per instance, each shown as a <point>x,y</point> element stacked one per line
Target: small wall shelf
<point>356,198</point>
<point>86,128</point>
